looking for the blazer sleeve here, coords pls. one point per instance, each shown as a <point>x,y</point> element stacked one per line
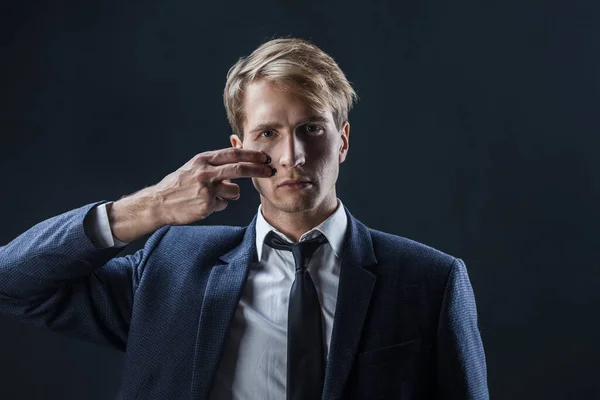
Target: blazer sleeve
<point>53,276</point>
<point>461,364</point>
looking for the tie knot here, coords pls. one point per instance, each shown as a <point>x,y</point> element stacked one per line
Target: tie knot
<point>302,250</point>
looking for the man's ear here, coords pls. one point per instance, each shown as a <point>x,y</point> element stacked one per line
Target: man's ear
<point>345,136</point>
<point>236,141</point>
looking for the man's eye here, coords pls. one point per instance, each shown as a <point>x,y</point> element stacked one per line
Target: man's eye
<point>312,128</point>
<point>261,134</point>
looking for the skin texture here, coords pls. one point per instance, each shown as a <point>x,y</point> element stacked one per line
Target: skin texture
<point>300,147</point>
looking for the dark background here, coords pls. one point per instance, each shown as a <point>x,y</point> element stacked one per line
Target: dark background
<point>476,133</point>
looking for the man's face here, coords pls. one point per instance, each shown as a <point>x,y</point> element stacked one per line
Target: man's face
<point>303,144</point>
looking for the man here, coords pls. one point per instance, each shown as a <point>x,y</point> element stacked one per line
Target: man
<point>304,302</point>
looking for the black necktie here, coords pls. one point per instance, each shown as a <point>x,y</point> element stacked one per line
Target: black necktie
<point>305,355</point>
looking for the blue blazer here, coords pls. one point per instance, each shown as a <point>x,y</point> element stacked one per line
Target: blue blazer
<point>405,323</point>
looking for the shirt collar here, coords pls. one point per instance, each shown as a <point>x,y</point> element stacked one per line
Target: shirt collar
<point>334,229</point>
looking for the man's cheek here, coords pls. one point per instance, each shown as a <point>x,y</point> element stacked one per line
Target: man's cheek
<point>259,186</point>
<point>256,184</point>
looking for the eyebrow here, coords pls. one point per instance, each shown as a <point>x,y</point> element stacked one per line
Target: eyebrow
<point>274,125</point>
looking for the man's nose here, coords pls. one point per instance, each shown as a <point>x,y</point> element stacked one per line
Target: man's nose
<point>292,152</point>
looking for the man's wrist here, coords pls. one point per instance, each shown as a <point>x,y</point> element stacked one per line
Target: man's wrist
<point>132,217</point>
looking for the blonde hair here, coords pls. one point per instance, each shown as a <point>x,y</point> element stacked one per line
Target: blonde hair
<point>293,65</point>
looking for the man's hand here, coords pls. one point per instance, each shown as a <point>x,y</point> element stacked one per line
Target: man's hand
<point>191,193</point>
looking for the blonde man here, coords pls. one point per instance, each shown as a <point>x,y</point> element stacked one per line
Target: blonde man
<point>305,302</point>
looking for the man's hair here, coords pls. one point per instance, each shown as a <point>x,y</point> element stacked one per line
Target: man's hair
<point>294,65</point>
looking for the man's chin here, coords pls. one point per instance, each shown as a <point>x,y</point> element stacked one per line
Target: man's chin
<point>294,204</point>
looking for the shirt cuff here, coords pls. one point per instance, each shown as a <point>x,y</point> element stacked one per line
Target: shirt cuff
<point>100,229</point>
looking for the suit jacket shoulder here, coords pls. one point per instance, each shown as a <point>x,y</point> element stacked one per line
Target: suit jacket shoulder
<point>397,254</point>
<point>202,240</point>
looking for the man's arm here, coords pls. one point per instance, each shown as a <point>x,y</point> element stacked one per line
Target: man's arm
<point>461,364</point>
<point>57,275</point>
<point>53,276</point>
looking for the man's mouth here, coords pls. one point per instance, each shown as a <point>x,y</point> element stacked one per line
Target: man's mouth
<point>295,182</point>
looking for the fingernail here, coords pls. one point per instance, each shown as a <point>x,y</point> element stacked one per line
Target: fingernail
<point>274,171</point>
<point>268,159</point>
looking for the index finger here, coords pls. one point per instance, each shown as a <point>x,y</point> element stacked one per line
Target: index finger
<point>235,154</point>
<point>242,170</point>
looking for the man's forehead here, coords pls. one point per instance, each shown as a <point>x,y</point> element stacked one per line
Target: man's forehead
<point>291,113</point>
<point>266,104</point>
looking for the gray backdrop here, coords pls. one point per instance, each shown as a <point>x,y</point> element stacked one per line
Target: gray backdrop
<point>476,133</point>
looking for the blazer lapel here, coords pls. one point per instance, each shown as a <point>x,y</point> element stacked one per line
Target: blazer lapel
<point>222,294</point>
<point>354,294</point>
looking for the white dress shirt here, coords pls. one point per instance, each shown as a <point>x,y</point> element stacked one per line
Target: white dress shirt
<point>253,364</point>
